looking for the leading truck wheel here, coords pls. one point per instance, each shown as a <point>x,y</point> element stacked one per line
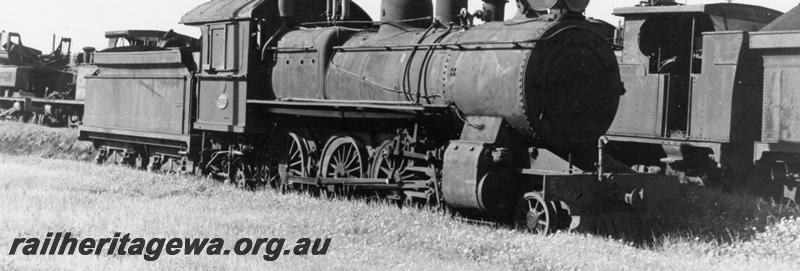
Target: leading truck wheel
<point>535,215</point>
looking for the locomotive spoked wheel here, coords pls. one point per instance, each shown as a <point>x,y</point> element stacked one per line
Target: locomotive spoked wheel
<point>290,156</point>
<point>387,166</point>
<point>344,157</point>
<point>535,214</point>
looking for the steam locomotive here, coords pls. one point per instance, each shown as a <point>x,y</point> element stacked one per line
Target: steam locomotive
<point>503,120</point>
<point>710,96</point>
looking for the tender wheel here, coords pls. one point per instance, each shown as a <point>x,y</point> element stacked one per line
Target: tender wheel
<point>761,180</point>
<point>774,180</point>
<point>141,161</point>
<point>535,214</point>
<point>344,157</point>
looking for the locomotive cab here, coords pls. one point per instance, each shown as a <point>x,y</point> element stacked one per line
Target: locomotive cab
<point>673,45</point>
<point>233,64</point>
<point>691,100</point>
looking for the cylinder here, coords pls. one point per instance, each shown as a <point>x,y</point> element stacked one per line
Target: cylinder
<point>403,14</point>
<point>447,10</point>
<point>495,8</point>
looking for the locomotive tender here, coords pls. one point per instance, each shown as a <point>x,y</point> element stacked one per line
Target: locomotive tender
<point>502,119</point>
<point>50,89</point>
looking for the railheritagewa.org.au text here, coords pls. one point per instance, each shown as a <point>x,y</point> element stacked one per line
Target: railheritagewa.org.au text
<point>151,249</point>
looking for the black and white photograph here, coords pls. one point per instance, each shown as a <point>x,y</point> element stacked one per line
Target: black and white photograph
<point>399,135</point>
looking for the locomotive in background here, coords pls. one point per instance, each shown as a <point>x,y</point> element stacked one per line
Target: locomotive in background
<point>36,87</point>
<point>500,120</point>
<point>710,99</point>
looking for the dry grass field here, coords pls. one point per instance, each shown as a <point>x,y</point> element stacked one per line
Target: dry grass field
<point>707,230</point>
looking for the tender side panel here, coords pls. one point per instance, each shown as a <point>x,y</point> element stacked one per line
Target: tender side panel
<point>782,99</point>
<point>139,97</point>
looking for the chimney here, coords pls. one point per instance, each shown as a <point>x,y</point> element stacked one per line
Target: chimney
<point>558,6</point>
<point>397,15</point>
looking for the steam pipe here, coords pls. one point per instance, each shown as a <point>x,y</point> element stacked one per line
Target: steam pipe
<point>345,10</point>
<point>601,145</point>
<point>286,11</point>
<point>329,10</point>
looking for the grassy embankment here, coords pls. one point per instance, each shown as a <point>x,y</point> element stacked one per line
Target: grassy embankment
<point>25,139</point>
<point>43,195</point>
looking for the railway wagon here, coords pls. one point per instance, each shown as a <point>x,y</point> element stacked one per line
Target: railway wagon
<point>693,106</point>
<point>494,120</point>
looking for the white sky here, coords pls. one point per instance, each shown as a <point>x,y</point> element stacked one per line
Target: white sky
<point>87,20</point>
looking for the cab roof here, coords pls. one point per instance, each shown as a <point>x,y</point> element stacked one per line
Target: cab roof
<point>221,10</point>
<point>726,16</point>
